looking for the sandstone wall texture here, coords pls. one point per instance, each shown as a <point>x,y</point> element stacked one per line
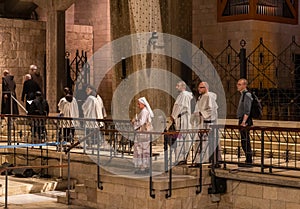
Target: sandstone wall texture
<point>215,35</point>
<point>22,44</point>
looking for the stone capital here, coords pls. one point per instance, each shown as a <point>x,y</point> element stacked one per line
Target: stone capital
<point>54,5</point>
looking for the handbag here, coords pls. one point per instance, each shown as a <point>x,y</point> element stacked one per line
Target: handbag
<point>173,137</point>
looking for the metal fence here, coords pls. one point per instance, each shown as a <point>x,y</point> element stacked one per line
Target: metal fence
<point>105,141</point>
<point>274,149</point>
<point>275,78</point>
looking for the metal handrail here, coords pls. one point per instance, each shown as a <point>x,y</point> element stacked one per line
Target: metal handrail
<point>15,99</point>
<point>6,169</point>
<point>20,105</point>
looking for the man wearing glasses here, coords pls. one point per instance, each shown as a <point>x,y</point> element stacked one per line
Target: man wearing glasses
<point>206,111</point>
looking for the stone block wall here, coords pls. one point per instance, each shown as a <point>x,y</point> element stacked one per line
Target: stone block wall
<point>241,195</point>
<point>22,43</point>
<point>120,192</point>
<point>79,37</point>
<point>215,35</point>
<point>95,14</point>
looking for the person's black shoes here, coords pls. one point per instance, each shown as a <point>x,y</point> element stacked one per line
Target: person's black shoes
<point>246,164</point>
<point>214,166</point>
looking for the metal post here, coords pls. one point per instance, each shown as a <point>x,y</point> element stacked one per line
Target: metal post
<point>9,124</point>
<point>199,187</point>
<point>243,60</point>
<point>99,183</point>
<point>11,103</point>
<point>169,192</point>
<point>150,170</point>
<point>166,140</point>
<point>6,188</point>
<point>69,179</point>
<point>262,151</point>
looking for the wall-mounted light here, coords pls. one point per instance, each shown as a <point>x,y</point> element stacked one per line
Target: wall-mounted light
<point>123,68</point>
<point>153,40</point>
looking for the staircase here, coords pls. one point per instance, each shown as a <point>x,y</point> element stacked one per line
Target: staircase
<point>32,189</point>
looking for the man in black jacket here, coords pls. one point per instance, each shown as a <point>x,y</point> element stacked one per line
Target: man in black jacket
<point>30,87</point>
<point>39,106</point>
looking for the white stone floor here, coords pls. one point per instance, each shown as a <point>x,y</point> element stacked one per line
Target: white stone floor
<point>35,201</point>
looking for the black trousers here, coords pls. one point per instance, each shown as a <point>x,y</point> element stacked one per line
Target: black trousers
<point>245,140</point>
<point>68,134</point>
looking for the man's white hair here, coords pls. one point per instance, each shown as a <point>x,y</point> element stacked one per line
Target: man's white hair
<point>28,76</point>
<point>33,67</point>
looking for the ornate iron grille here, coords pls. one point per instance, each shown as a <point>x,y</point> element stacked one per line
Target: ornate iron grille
<point>274,78</point>
<point>78,75</point>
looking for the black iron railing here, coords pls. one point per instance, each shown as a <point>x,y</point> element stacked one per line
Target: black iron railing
<point>273,76</point>
<point>274,149</point>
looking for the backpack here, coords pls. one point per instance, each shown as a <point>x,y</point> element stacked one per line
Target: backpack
<point>256,107</point>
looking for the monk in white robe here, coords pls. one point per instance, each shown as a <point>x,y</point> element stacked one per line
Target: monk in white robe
<point>101,107</point>
<point>206,110</point>
<point>92,109</point>
<point>181,115</point>
<point>68,107</point>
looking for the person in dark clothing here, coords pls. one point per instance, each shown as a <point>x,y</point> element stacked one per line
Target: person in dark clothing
<point>245,119</point>
<point>30,87</point>
<point>36,76</point>
<point>8,90</point>
<point>39,106</point>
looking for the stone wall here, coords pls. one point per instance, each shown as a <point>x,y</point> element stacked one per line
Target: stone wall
<point>22,44</point>
<point>215,35</point>
<point>245,190</point>
<point>241,195</point>
<point>79,37</point>
<point>95,14</point>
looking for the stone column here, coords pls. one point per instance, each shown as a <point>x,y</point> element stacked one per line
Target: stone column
<point>55,48</point>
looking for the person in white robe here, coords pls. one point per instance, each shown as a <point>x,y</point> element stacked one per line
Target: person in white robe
<point>205,115</point>
<point>68,107</point>
<point>101,107</point>
<point>181,114</point>
<point>92,110</point>
<point>142,123</point>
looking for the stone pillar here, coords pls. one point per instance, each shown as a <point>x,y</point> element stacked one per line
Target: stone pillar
<point>55,48</point>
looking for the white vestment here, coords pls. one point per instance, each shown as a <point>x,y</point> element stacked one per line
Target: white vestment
<point>182,110</point>
<point>101,108</point>
<point>92,109</point>
<point>68,109</point>
<point>206,110</point>
<point>182,115</point>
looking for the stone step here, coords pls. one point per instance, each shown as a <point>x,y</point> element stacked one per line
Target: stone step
<point>18,185</point>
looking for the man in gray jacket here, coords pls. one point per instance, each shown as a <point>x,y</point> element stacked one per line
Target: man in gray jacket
<point>244,117</point>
